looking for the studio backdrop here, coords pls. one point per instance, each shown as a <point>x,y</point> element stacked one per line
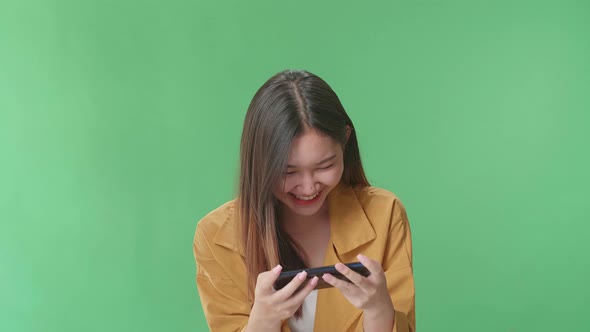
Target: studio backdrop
<point>120,124</point>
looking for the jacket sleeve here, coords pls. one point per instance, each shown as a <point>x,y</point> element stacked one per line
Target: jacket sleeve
<point>225,305</point>
<point>397,264</point>
<point>399,270</point>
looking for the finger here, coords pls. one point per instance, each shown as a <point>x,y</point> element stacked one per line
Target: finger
<point>373,266</point>
<point>298,298</point>
<point>343,286</point>
<point>292,286</point>
<point>266,279</point>
<point>351,275</point>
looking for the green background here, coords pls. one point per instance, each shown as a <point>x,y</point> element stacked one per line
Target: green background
<point>120,123</point>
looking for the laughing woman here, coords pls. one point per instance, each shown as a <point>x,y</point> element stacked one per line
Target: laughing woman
<point>304,201</point>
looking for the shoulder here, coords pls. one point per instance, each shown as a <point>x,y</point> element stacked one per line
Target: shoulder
<point>373,198</point>
<point>382,206</point>
<point>213,222</point>
<point>388,215</point>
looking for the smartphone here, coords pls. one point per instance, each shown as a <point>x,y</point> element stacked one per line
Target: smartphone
<point>285,277</point>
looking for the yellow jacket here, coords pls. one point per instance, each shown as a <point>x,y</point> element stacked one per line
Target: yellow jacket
<point>370,221</point>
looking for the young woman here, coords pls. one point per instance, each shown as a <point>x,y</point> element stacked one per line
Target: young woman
<point>304,202</point>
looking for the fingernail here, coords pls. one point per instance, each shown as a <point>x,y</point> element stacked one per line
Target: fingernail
<point>314,281</point>
<point>277,269</point>
<point>361,257</point>
<point>302,275</point>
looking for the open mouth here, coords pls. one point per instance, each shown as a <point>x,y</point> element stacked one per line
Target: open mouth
<point>305,200</point>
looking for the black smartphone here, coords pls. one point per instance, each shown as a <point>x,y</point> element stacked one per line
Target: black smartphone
<point>285,277</point>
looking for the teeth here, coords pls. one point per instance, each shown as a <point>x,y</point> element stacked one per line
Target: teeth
<point>306,198</point>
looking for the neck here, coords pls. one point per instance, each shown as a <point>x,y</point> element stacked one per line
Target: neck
<point>294,224</point>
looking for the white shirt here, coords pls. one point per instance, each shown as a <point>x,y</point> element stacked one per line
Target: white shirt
<point>305,323</point>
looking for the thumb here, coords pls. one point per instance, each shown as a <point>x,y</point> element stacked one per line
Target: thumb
<point>267,279</point>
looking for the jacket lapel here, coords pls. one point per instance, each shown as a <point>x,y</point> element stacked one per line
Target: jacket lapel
<point>350,228</point>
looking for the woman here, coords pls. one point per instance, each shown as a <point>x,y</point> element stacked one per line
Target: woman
<point>304,201</point>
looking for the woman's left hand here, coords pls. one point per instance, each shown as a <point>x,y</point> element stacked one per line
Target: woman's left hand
<point>367,293</point>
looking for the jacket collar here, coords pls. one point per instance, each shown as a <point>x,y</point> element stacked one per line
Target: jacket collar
<point>228,235</point>
<point>350,228</point>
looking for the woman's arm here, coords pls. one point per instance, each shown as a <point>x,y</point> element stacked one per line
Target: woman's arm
<point>379,319</point>
<point>398,266</point>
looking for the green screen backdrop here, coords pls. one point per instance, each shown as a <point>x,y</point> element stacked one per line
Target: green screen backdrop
<point>120,123</point>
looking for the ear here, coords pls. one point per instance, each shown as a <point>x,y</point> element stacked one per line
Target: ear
<point>348,132</point>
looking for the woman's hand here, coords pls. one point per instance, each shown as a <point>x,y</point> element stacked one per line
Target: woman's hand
<point>367,293</point>
<point>271,307</point>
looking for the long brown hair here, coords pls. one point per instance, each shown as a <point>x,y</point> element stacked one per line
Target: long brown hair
<point>281,109</point>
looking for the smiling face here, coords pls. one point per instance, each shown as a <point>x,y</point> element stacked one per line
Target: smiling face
<point>314,167</point>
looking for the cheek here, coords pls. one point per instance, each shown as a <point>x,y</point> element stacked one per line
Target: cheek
<point>332,177</point>
<point>285,185</point>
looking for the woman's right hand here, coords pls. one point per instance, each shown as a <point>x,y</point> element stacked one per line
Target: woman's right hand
<point>272,306</point>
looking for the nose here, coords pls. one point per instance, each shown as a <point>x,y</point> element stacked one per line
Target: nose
<point>308,184</point>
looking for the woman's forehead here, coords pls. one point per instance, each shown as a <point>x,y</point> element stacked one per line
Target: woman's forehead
<point>311,148</point>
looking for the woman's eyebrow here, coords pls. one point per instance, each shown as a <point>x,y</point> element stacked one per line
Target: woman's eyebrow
<point>319,163</point>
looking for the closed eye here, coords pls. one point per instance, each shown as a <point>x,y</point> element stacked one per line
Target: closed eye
<point>327,167</point>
